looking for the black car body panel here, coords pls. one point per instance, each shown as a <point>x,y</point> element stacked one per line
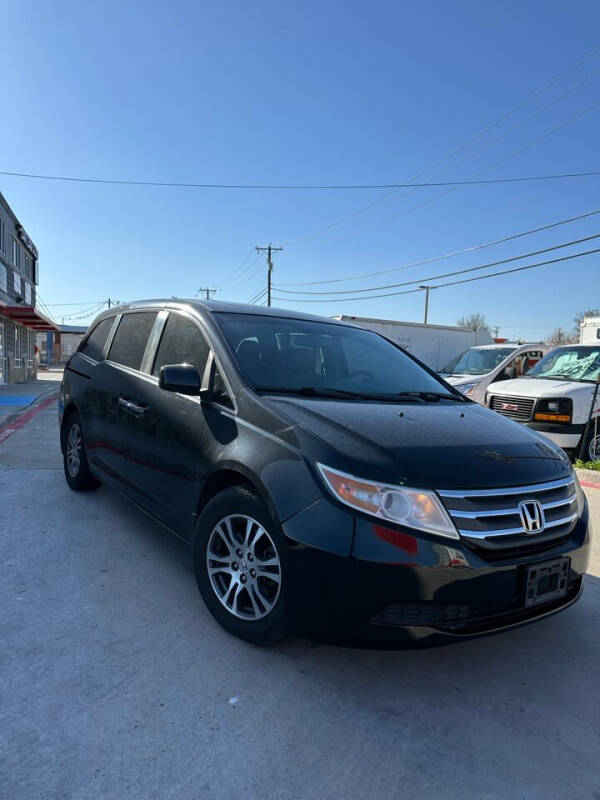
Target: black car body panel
<point>169,453</point>
<point>413,444</point>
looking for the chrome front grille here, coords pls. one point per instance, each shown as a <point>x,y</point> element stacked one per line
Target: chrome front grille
<point>490,519</point>
<point>519,408</point>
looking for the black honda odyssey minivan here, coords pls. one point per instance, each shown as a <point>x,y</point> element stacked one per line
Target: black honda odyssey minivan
<point>326,480</point>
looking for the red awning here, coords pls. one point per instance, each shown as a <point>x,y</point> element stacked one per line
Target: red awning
<point>29,316</point>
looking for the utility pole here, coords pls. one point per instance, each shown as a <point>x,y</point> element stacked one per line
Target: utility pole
<point>109,302</point>
<point>495,331</point>
<point>269,251</point>
<point>427,289</point>
<point>207,290</point>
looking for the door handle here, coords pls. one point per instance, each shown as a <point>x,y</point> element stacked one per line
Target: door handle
<point>132,408</point>
<point>136,409</point>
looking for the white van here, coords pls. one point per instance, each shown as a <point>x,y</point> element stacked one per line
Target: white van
<point>476,368</point>
<point>555,398</point>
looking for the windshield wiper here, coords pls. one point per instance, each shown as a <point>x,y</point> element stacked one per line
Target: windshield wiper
<point>310,391</point>
<point>430,397</point>
<point>327,391</point>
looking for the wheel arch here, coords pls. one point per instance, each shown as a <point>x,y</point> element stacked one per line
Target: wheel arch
<point>69,410</point>
<point>229,475</point>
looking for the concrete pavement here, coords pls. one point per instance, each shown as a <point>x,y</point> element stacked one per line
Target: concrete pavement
<point>116,682</point>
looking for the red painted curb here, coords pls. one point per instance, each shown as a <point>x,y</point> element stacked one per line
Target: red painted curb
<point>12,427</point>
<point>590,485</point>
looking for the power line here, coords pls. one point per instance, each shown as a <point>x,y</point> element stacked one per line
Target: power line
<point>338,223</point>
<point>86,313</point>
<point>231,274</point>
<point>517,152</point>
<point>471,249</point>
<point>82,303</point>
<point>442,285</point>
<point>257,297</point>
<point>254,274</point>
<point>310,187</point>
<point>448,274</point>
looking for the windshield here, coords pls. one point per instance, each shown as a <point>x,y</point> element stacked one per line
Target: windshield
<point>281,354</point>
<point>569,363</point>
<point>477,362</point>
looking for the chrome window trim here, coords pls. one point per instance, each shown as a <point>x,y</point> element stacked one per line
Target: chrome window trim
<point>111,336</point>
<point>153,342</point>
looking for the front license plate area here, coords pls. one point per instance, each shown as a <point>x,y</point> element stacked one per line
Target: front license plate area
<point>547,581</point>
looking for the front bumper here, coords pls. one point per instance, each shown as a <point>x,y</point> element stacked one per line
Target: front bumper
<point>565,436</point>
<point>402,586</point>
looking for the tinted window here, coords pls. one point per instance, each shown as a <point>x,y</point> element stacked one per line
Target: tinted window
<point>182,342</point>
<point>95,342</point>
<point>131,338</point>
<point>288,354</point>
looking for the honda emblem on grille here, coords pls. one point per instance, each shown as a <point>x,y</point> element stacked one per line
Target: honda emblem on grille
<point>532,516</point>
<point>508,407</point>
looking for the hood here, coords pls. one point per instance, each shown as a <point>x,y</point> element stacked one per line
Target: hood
<point>540,387</point>
<point>434,445</point>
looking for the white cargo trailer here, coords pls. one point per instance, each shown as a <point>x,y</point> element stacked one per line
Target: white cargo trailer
<point>589,333</point>
<point>435,345</point>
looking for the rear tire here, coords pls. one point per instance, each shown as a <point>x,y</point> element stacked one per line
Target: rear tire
<point>75,463</point>
<point>239,560</point>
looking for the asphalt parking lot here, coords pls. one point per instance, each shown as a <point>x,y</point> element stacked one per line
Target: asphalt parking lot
<point>116,682</point>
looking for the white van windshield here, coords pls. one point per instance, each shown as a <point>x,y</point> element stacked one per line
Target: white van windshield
<point>477,362</point>
<point>569,364</point>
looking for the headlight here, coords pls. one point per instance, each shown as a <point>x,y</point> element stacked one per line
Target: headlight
<point>415,508</point>
<point>550,410</point>
<point>467,388</point>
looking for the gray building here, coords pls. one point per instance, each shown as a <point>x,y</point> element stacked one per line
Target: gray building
<point>19,318</point>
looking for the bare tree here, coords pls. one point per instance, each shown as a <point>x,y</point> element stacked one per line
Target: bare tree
<point>558,336</point>
<point>476,322</point>
<point>581,315</point>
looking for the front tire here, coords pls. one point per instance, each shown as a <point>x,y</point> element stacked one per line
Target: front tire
<point>591,447</point>
<point>239,561</point>
<point>75,463</point>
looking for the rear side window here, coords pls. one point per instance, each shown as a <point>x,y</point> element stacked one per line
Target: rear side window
<point>131,338</point>
<point>181,343</point>
<point>94,344</point>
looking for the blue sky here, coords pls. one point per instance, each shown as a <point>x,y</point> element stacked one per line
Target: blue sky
<point>280,92</point>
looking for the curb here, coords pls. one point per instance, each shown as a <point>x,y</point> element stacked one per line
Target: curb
<point>9,422</point>
<point>589,477</point>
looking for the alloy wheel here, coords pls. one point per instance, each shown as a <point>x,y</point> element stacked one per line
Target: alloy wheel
<point>594,448</point>
<point>243,567</point>
<point>73,450</point>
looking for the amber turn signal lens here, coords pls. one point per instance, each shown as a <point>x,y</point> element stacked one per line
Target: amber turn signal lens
<point>552,417</point>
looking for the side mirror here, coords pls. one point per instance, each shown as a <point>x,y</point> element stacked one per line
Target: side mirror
<point>182,378</point>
